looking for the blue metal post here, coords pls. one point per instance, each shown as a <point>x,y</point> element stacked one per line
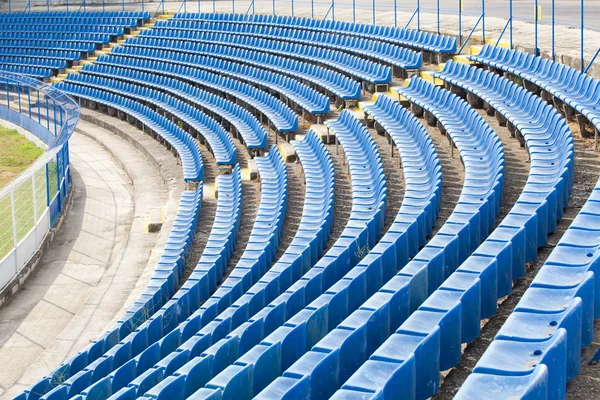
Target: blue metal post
<point>582,36</point>
<point>395,14</point>
<point>333,10</point>
<point>102,5</point>
<point>460,21</point>
<point>48,4</point>
<point>511,23</point>
<point>535,47</point>
<point>67,5</point>
<point>213,5</point>
<point>438,16</point>
<point>418,15</point>
<point>252,7</point>
<point>553,21</point>
<point>483,21</point>
<point>353,10</point>
<point>142,4</point>
<point>123,5</point>
<point>373,7</point>
<point>312,8</point>
<point>292,8</point>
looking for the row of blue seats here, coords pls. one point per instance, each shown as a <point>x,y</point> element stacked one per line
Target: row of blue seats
<point>252,132</point>
<point>178,247</point>
<point>103,21</point>
<point>303,252</point>
<point>34,72</point>
<point>183,143</point>
<point>23,15</point>
<point>352,65</point>
<point>68,28</point>
<point>361,233</point>
<point>52,36</point>
<point>134,370</point>
<point>306,97</point>
<point>219,141</point>
<point>576,89</point>
<point>83,47</point>
<point>320,372</point>
<point>283,117</point>
<point>430,340</point>
<point>332,81</point>
<point>24,62</point>
<point>538,349</point>
<point>401,36</point>
<point>341,304</point>
<point>41,54</point>
<point>380,51</point>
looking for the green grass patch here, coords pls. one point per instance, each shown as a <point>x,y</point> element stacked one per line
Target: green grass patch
<point>16,154</point>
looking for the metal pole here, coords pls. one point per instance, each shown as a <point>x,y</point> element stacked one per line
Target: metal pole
<point>292,8</point>
<point>102,5</point>
<point>48,4</point>
<point>582,36</point>
<point>373,7</point>
<point>483,21</point>
<point>312,8</point>
<point>333,10</point>
<point>438,16</point>
<point>553,21</point>
<point>535,47</point>
<point>511,23</point>
<point>395,14</point>
<point>142,4</point>
<point>353,10</point>
<point>418,15</point>
<point>460,5</point>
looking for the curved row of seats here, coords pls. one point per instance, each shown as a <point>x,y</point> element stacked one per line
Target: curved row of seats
<point>429,341</point>
<point>538,349</point>
<point>377,50</point>
<point>330,80</point>
<point>82,47</point>
<point>74,19</point>
<point>54,36</point>
<point>134,370</point>
<point>360,234</point>
<point>253,134</point>
<point>69,378</point>
<point>19,16</point>
<point>354,66</point>
<point>320,372</point>
<point>64,28</point>
<point>283,118</point>
<point>576,89</point>
<point>35,72</point>
<point>299,93</point>
<point>25,62</point>
<point>404,37</point>
<point>344,334</point>
<point>219,142</point>
<point>186,147</point>
<point>306,247</point>
<point>40,55</point>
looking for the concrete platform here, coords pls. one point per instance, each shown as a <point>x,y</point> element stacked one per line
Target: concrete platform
<point>96,261</point>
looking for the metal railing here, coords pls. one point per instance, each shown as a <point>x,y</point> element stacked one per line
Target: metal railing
<point>32,202</point>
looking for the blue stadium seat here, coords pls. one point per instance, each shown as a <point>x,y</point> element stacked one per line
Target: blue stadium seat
<point>187,148</point>
<point>569,86</point>
<point>361,233</point>
<point>358,67</point>
<point>333,81</point>
<point>380,51</point>
<point>282,117</point>
<point>301,255</point>
<point>218,141</point>
<point>306,97</point>
<point>429,340</point>
<point>404,37</point>
<point>250,130</point>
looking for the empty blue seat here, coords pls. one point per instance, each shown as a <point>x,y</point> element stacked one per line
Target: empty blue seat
<point>219,142</point>
<point>187,148</point>
<point>429,340</point>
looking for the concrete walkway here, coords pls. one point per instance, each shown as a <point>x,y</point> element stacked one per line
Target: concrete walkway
<point>87,274</point>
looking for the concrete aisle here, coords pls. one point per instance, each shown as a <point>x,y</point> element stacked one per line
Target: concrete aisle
<point>88,272</point>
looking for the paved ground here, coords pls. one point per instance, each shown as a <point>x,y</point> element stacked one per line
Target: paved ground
<point>87,274</point>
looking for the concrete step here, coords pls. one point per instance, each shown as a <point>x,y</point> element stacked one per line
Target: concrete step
<point>462,59</point>
<point>426,76</point>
